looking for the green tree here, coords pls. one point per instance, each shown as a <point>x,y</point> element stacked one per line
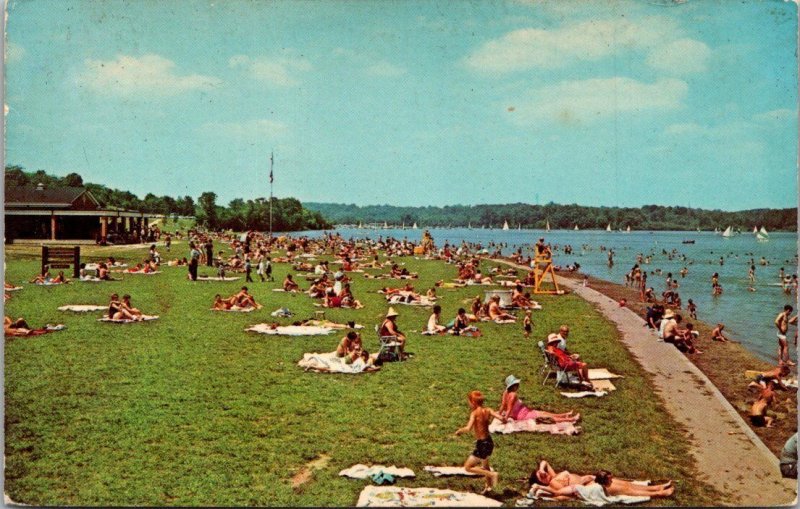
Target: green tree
<point>208,209</point>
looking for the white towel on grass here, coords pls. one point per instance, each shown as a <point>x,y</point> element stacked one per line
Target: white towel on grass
<point>512,426</point>
<point>584,394</point>
<point>592,494</point>
<point>393,496</point>
<point>448,471</point>
<point>330,363</point>
<point>82,308</point>
<point>290,330</point>
<point>361,471</point>
<point>216,278</point>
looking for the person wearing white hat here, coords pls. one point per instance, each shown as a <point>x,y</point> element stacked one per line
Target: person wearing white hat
<point>389,328</point>
<point>512,408</point>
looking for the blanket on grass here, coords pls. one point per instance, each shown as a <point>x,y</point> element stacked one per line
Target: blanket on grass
<point>365,472</point>
<point>512,426</point>
<point>399,299</point>
<point>236,309</point>
<point>329,363</point>
<point>82,308</point>
<point>140,272</point>
<point>49,283</point>
<point>290,330</point>
<point>393,496</point>
<point>584,394</point>
<point>13,288</point>
<point>217,278</point>
<point>145,318</point>
<point>591,494</point>
<point>448,471</point>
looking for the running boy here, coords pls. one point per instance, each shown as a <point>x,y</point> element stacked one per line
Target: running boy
<point>527,324</point>
<point>478,461</point>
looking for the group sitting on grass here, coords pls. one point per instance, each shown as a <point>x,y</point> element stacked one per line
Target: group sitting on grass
<point>240,300</point>
<point>46,279</point>
<point>123,309</point>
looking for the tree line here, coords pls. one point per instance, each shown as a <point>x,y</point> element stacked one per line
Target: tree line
<point>648,217</point>
<point>288,214</point>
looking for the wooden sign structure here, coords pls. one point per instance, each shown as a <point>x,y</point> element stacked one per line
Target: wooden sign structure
<point>62,258</point>
<point>543,266</point>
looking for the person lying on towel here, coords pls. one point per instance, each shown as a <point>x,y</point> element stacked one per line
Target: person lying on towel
<point>563,485</point>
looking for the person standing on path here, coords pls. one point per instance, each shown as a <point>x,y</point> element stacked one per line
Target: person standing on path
<point>782,323</point>
<point>194,260</point>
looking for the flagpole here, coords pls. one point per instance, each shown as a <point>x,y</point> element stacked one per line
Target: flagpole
<point>271,162</point>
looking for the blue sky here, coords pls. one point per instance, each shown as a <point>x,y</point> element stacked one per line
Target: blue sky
<point>412,102</point>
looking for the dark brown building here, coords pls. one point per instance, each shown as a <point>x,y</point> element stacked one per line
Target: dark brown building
<point>65,213</point>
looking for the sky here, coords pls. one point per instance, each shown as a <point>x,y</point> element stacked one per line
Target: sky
<point>610,103</point>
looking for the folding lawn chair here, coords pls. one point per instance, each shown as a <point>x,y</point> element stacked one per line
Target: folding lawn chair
<point>551,365</point>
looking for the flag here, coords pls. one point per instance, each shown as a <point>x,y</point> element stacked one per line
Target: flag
<point>271,160</point>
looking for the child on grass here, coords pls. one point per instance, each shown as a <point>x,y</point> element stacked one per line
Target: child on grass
<point>479,418</point>
<point>527,323</point>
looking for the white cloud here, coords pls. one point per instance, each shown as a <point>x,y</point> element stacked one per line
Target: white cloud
<point>150,74</point>
<point>14,52</point>
<point>369,65</point>
<point>779,114</point>
<point>531,48</point>
<point>584,101</point>
<point>385,69</point>
<point>281,71</point>
<point>684,56</point>
<point>248,130</point>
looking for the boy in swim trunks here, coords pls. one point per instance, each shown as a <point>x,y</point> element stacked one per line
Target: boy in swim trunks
<point>758,412</point>
<point>479,418</point>
<point>782,323</point>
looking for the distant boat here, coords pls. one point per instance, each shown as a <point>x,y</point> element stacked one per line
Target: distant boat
<point>628,230</point>
<point>761,238</point>
<point>763,232</point>
<point>385,225</point>
<point>608,228</point>
<point>728,233</point>
<point>547,226</point>
<point>698,229</point>
<point>415,226</point>
<point>404,225</point>
<point>359,225</point>
<point>519,226</point>
<point>505,225</point>
<point>576,227</point>
<point>688,242</point>
<point>469,225</point>
<point>755,230</point>
<point>716,230</point>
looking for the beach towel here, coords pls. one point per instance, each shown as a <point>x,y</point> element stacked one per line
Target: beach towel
<point>82,308</point>
<point>448,471</point>
<point>13,288</point>
<point>282,290</point>
<point>602,374</point>
<point>290,330</point>
<point>329,363</point>
<point>236,309</point>
<point>48,283</point>
<point>603,385</point>
<point>584,394</point>
<point>282,313</point>
<point>364,472</point>
<point>399,299</point>
<point>592,494</point>
<point>140,272</point>
<point>145,318</point>
<point>91,279</point>
<point>332,325</point>
<point>217,278</point>
<point>512,426</point>
<point>393,496</point>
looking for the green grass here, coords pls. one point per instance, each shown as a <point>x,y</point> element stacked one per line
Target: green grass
<point>191,410</point>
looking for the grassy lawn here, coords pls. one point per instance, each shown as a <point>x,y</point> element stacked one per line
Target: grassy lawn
<point>192,410</point>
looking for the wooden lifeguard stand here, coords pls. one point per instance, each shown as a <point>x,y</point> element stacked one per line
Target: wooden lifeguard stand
<point>543,265</point>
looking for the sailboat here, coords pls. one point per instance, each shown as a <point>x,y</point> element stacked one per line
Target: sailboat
<point>628,230</point>
<point>519,226</point>
<point>716,230</point>
<point>755,230</point>
<point>415,226</point>
<point>359,225</point>
<point>386,226</point>
<point>547,226</point>
<point>762,235</point>
<point>608,228</point>
<point>728,233</point>
<point>404,225</point>
<point>698,229</point>
<point>763,232</point>
<point>505,225</point>
<point>576,227</point>
<point>469,225</point>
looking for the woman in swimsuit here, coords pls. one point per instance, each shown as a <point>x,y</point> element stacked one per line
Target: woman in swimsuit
<point>116,311</point>
<point>512,408</point>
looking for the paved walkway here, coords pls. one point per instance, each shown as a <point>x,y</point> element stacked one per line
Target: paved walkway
<point>729,454</point>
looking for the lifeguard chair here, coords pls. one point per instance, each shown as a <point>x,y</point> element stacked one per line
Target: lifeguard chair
<point>542,266</point>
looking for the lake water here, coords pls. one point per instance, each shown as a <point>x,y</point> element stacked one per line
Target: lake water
<point>748,315</point>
